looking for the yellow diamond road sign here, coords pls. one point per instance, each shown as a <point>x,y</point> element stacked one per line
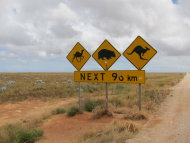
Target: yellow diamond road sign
<point>78,56</point>
<point>139,53</point>
<point>106,55</point>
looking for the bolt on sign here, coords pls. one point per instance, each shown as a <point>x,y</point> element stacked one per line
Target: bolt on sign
<point>78,56</point>
<point>139,53</point>
<point>129,76</point>
<point>106,55</point>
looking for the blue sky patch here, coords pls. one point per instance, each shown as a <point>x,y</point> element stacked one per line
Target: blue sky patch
<point>175,1</point>
<point>14,10</point>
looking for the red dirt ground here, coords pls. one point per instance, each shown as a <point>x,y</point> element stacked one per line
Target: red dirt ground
<point>63,129</point>
<point>28,110</point>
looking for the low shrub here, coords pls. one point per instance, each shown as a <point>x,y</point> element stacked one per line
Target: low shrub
<point>73,110</point>
<point>89,105</point>
<point>40,81</point>
<point>58,111</point>
<point>136,116</point>
<point>100,112</point>
<point>116,132</point>
<point>16,133</point>
<point>10,83</point>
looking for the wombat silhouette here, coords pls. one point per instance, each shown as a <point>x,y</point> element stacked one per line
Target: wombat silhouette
<point>140,51</point>
<point>78,55</point>
<point>104,53</point>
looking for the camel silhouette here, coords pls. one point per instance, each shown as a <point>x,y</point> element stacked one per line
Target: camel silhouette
<point>78,55</point>
<point>140,51</point>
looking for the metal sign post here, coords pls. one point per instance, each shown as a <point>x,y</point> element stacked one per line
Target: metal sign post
<point>106,96</point>
<point>79,96</point>
<point>139,96</point>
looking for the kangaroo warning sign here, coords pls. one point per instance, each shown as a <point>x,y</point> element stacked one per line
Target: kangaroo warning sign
<point>110,76</point>
<point>139,53</point>
<point>78,56</point>
<point>106,55</point>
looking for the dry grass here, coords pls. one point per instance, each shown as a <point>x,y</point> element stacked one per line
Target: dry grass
<point>116,132</point>
<point>136,116</point>
<point>123,98</point>
<point>100,112</point>
<point>27,86</point>
<point>61,85</point>
<point>17,133</point>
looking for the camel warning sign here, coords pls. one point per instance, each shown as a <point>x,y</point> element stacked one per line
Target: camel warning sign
<point>139,53</point>
<point>106,55</point>
<point>78,56</point>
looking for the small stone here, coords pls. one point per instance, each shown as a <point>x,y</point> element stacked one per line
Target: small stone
<point>69,81</point>
<point>2,89</point>
<point>39,81</point>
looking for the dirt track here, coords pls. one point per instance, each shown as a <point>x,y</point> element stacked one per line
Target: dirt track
<point>172,123</point>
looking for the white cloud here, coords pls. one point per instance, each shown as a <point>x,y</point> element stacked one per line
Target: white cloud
<point>4,55</point>
<point>49,29</point>
<point>64,12</point>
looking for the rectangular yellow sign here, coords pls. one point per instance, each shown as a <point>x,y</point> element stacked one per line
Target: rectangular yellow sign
<point>127,76</point>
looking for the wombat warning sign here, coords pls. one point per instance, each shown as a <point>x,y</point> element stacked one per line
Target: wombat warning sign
<point>106,55</point>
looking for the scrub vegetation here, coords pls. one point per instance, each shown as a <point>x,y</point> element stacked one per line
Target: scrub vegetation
<point>116,132</point>
<point>17,133</point>
<point>73,110</point>
<point>123,102</point>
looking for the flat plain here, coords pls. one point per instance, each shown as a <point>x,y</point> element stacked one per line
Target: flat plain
<point>38,99</point>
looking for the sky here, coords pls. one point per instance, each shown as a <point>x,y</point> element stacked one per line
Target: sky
<point>37,35</point>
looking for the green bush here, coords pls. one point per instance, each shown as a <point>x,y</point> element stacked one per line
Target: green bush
<point>73,110</point>
<point>15,133</point>
<point>91,104</point>
<point>58,111</point>
<point>29,136</point>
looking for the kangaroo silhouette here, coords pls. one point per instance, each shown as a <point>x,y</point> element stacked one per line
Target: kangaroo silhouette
<point>78,55</point>
<point>140,51</point>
